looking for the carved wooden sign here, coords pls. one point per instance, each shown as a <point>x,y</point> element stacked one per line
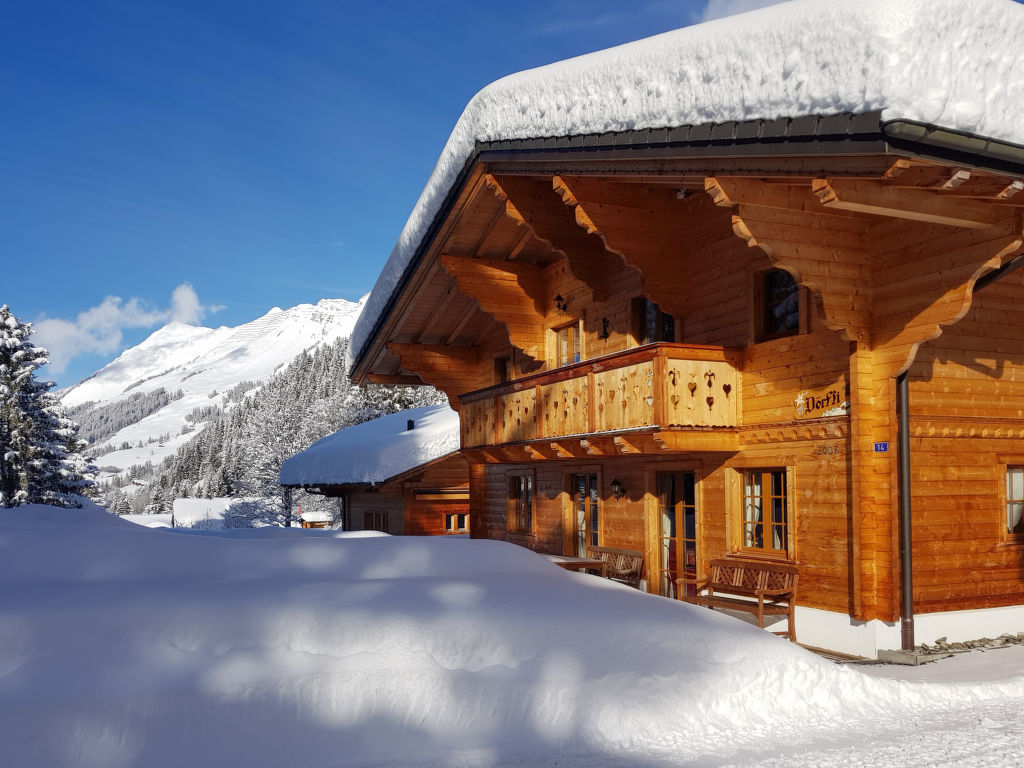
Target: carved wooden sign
<point>815,405</point>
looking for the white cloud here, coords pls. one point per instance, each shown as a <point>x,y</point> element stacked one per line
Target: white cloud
<point>100,329</point>
<point>717,9</point>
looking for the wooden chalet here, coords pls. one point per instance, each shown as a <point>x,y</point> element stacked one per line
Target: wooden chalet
<point>719,340</point>
<point>383,486</point>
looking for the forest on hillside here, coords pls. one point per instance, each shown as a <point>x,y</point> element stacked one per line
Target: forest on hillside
<point>252,429</point>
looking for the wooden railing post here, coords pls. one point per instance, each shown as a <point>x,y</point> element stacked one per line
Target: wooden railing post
<point>591,404</point>
<point>541,416</point>
<point>660,384</point>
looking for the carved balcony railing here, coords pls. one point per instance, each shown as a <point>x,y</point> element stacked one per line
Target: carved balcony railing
<point>663,387</point>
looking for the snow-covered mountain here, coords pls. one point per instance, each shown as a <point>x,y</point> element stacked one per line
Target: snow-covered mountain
<point>203,364</point>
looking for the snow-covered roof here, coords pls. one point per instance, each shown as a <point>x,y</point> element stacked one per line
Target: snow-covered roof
<point>948,63</point>
<point>317,516</point>
<point>377,450</point>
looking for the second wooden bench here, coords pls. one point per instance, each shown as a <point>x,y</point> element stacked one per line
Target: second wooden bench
<point>760,587</point>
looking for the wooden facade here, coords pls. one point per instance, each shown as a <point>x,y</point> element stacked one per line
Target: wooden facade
<point>721,333</point>
<point>429,500</point>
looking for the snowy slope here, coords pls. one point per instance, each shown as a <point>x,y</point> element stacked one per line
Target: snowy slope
<point>201,362</point>
<point>127,646</point>
<point>951,63</point>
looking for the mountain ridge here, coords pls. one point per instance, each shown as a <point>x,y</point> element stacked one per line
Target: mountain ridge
<point>203,364</point>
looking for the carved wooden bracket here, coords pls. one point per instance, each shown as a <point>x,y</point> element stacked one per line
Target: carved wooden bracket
<point>532,203</point>
<point>509,291</point>
<point>450,369</point>
<point>649,228</point>
<point>892,291</point>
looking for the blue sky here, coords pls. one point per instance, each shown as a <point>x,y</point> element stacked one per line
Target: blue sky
<point>206,161</point>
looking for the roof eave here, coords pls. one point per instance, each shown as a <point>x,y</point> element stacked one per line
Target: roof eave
<point>843,134</point>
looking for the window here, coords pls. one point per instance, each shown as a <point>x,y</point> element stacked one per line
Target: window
<point>502,370</point>
<point>650,324</point>
<point>779,304</point>
<point>567,345</point>
<point>585,513</point>
<point>765,511</point>
<point>375,521</point>
<point>456,522</point>
<point>1015,501</point>
<point>520,503</point>
<point>677,515</point>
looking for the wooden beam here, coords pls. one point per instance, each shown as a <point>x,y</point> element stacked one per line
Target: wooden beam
<point>397,379</point>
<point>509,291</point>
<point>915,205</point>
<point>467,314</point>
<point>1010,190</point>
<point>534,204</point>
<point>732,191</point>
<point>598,446</point>
<point>651,229</point>
<point>453,370</point>
<point>439,310</point>
<point>723,441</point>
<point>897,169</point>
<point>568,449</point>
<point>955,179</point>
<point>825,252</point>
<point>627,445</point>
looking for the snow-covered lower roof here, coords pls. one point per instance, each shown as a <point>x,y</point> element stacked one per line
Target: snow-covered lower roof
<point>317,516</point>
<point>948,63</point>
<point>375,451</point>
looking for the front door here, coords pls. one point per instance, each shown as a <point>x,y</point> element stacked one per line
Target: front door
<point>677,513</point>
<point>585,513</point>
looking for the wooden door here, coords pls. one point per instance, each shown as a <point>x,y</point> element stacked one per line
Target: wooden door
<point>677,537</point>
<point>586,519</point>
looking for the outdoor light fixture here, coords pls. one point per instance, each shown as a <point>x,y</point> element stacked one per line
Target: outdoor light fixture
<point>604,333</point>
<point>561,304</point>
<point>618,489</point>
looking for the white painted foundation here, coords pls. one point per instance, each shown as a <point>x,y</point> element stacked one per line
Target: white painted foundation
<point>838,632</point>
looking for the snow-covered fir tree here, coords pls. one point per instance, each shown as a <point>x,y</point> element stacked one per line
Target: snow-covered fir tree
<point>41,456</point>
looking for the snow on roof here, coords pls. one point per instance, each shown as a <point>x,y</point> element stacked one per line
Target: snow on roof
<point>317,516</point>
<point>377,450</point>
<point>948,63</point>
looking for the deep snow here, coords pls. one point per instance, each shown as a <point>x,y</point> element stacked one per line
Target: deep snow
<point>122,645</point>
<point>376,450</point>
<point>951,63</point>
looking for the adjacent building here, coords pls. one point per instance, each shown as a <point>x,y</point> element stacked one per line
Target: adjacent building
<point>399,474</point>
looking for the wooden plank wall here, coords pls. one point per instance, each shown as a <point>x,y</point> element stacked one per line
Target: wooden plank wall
<point>967,422</point>
<point>818,508</point>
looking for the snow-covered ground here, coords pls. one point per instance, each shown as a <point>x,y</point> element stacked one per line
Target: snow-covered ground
<point>127,646</point>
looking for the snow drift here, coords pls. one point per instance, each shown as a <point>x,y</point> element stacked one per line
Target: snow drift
<point>122,646</point>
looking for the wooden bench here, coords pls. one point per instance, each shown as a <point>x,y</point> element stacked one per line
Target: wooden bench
<point>623,565</point>
<point>760,587</point>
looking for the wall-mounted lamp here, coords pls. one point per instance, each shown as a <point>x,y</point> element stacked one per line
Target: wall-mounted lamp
<point>618,489</point>
<point>561,304</point>
<point>605,331</point>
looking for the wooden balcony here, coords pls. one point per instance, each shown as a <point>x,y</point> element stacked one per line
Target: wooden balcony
<point>679,393</point>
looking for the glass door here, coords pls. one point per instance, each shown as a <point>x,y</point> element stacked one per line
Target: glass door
<point>585,513</point>
<point>677,513</point>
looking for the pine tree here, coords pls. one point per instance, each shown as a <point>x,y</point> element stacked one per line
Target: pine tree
<point>41,459</point>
